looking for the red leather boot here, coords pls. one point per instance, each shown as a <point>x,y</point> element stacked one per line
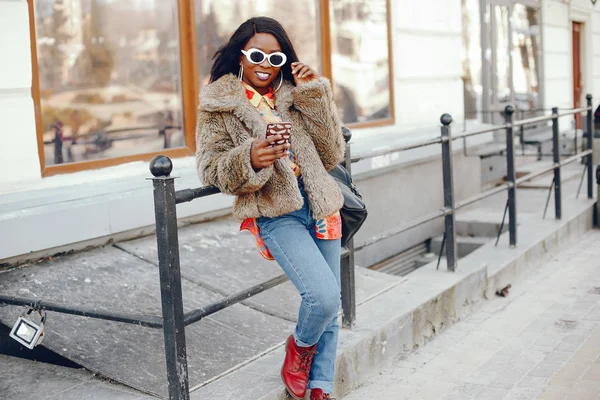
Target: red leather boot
<point>317,394</point>
<point>296,367</point>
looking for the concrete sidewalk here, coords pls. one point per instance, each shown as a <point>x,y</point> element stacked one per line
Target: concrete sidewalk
<point>540,342</point>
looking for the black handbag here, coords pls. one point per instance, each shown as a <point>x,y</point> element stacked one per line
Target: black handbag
<point>354,212</point>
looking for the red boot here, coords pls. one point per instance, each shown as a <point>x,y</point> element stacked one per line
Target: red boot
<point>317,394</point>
<point>296,368</point>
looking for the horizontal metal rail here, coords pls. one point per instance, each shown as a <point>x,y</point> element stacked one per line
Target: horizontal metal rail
<point>187,195</point>
<point>148,321</point>
<point>550,117</point>
<point>481,196</point>
<point>197,315</point>
<point>530,121</point>
<point>480,131</point>
<point>396,231</point>
<point>575,111</point>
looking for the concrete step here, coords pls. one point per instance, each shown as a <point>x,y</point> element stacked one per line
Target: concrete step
<point>31,380</point>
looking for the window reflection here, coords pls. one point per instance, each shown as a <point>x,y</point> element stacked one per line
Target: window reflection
<point>217,20</point>
<point>109,78</point>
<point>471,59</point>
<point>509,70</point>
<point>359,59</point>
<point>526,58</point>
<point>501,54</point>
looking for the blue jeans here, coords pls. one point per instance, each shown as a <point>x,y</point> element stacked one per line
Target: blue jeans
<point>313,266</point>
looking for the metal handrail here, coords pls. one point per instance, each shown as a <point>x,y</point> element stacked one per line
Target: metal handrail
<point>187,195</point>
<point>135,319</point>
<point>166,198</point>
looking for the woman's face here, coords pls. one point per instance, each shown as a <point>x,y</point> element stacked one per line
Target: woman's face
<point>260,76</point>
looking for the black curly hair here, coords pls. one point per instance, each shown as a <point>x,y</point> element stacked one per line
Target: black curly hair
<point>227,58</point>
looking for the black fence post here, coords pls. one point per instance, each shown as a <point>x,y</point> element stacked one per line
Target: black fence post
<point>449,225</point>
<point>597,211</point>
<point>590,158</point>
<point>510,175</point>
<point>556,159</point>
<point>348,285</point>
<point>170,277</point>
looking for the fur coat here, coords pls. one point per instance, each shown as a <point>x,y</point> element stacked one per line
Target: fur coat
<point>227,125</point>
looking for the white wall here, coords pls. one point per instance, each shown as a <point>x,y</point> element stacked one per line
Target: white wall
<point>18,149</point>
<point>556,37</point>
<point>427,61</point>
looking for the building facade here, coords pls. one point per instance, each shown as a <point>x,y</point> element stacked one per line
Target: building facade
<point>90,90</point>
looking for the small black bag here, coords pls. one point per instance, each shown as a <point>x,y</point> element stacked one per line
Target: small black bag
<point>354,212</point>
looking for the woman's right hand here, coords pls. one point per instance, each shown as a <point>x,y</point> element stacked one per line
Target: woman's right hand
<point>262,154</point>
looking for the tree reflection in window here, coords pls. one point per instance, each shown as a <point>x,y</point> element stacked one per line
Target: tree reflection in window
<point>109,78</point>
<point>526,65</point>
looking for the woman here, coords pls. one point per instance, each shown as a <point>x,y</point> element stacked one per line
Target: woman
<point>284,195</point>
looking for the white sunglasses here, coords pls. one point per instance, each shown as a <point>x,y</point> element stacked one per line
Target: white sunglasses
<point>256,56</point>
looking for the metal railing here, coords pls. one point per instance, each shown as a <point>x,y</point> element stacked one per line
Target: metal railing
<point>173,320</point>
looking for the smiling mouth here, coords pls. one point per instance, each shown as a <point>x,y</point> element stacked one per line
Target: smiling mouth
<point>263,76</point>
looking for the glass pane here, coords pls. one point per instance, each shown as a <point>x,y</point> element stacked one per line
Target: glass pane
<point>526,65</point>
<point>502,55</point>
<point>109,76</point>
<point>359,59</point>
<point>471,59</point>
<point>217,20</point>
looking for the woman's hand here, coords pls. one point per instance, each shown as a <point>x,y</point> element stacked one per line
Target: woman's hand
<point>303,73</point>
<point>262,154</point>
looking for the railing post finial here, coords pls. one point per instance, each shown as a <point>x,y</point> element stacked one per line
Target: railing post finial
<point>509,110</point>
<point>446,119</point>
<point>347,134</point>
<point>161,166</point>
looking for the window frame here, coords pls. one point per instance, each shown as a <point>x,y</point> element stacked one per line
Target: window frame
<point>327,68</point>
<point>190,89</point>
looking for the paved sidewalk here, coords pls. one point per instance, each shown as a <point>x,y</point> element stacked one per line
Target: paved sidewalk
<point>541,342</point>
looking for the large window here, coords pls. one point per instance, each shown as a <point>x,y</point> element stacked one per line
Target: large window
<point>117,81</point>
<point>526,62</point>
<point>501,58</point>
<point>360,59</point>
<point>109,79</point>
<point>471,59</point>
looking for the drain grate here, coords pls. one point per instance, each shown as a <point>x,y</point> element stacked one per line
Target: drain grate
<point>404,263</point>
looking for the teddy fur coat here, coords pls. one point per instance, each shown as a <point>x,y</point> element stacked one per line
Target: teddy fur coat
<point>227,125</point>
